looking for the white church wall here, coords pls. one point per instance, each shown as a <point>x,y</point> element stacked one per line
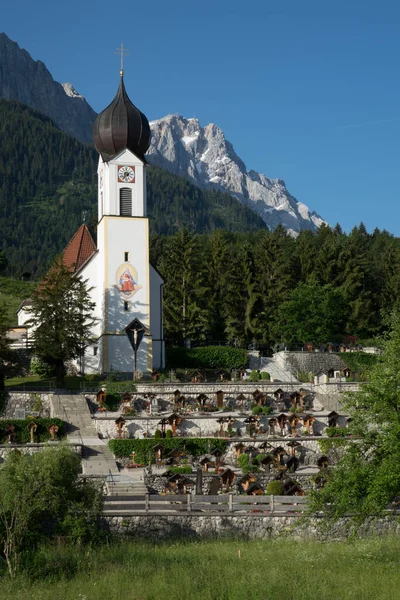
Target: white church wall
<point>122,238</point>
<point>109,186</point>
<point>91,360</point>
<point>156,318</point>
<point>23,316</point>
<point>121,355</point>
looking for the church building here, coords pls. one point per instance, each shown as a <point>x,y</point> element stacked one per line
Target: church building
<point>127,290</point>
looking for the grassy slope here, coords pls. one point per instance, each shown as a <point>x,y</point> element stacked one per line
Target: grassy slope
<point>283,569</point>
<point>12,292</point>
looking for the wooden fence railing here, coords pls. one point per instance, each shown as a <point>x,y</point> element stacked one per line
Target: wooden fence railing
<point>221,504</point>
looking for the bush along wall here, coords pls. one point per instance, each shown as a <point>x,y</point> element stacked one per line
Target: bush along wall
<point>144,452</point>
<point>21,430</point>
<point>207,357</point>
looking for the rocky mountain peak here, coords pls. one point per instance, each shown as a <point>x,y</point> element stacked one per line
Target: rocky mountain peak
<point>205,156</point>
<point>28,81</point>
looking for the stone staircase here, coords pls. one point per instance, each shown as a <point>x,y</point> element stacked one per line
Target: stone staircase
<point>124,495</point>
<point>278,369</point>
<point>118,485</point>
<point>97,460</point>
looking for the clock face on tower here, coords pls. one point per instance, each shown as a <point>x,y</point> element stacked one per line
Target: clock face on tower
<point>126,174</point>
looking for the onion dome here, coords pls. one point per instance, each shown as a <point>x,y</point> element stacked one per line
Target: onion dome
<point>121,126</point>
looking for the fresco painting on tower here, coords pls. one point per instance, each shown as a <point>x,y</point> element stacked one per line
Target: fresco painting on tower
<point>127,281</point>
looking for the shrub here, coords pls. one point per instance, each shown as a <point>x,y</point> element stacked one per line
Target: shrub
<point>157,434</point>
<point>292,409</point>
<point>336,432</point>
<point>299,409</point>
<point>251,469</point>
<point>144,448</point>
<point>360,362</point>
<point>243,461</point>
<point>275,488</point>
<point>254,376</point>
<point>40,367</point>
<point>185,470</point>
<point>112,402</point>
<point>168,434</point>
<point>119,387</point>
<point>266,410</point>
<point>259,458</point>
<point>265,375</point>
<point>257,410</point>
<point>207,357</point>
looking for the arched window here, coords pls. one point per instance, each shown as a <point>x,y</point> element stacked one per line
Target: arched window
<point>125,202</point>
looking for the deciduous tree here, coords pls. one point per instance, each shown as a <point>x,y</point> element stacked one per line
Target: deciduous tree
<point>367,477</point>
<point>41,496</point>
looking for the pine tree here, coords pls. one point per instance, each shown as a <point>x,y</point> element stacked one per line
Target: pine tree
<point>61,318</point>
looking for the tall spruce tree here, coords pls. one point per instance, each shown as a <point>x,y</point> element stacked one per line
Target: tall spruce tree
<point>61,318</point>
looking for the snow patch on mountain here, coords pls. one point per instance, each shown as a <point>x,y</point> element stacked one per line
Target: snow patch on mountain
<point>71,91</point>
<point>203,155</point>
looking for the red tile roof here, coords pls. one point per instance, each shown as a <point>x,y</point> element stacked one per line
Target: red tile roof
<point>79,250</point>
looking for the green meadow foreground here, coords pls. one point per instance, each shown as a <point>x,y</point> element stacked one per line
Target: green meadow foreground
<point>220,570</point>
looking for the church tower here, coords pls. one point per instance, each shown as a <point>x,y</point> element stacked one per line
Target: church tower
<point>128,290</point>
<point>125,288</point>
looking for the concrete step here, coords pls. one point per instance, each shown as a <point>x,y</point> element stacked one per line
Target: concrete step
<point>113,506</point>
<point>124,488</point>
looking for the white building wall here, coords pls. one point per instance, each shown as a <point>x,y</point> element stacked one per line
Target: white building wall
<point>109,186</point>
<point>156,328</point>
<point>90,273</point>
<point>118,236</point>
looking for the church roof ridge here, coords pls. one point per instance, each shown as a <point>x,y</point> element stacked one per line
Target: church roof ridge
<point>80,249</point>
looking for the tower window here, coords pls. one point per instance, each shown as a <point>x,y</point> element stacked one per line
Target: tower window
<point>126,305</point>
<point>125,202</point>
<point>95,350</point>
<point>126,256</point>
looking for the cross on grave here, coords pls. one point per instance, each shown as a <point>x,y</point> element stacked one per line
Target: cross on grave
<point>32,428</point>
<point>53,429</point>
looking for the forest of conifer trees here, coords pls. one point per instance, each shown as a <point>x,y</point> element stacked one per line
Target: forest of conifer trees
<point>270,288</point>
<point>227,277</point>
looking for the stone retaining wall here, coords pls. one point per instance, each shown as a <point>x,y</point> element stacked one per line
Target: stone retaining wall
<point>192,425</point>
<point>34,448</point>
<point>156,483</point>
<point>18,402</point>
<point>313,362</point>
<point>251,527</point>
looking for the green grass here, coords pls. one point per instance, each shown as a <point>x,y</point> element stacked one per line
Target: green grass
<point>269,570</point>
<point>359,362</point>
<point>72,382</point>
<point>12,292</point>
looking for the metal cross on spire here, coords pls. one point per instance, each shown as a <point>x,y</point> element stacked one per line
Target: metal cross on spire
<point>122,52</point>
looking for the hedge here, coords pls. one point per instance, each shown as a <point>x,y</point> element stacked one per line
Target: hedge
<point>207,357</point>
<point>22,434</point>
<point>186,470</point>
<point>359,362</point>
<point>144,448</point>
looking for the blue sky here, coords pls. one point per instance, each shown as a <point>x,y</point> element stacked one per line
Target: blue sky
<point>306,91</point>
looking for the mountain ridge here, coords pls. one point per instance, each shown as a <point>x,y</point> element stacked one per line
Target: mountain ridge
<point>205,156</point>
<point>28,81</point>
<point>180,145</point>
<point>48,180</point>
